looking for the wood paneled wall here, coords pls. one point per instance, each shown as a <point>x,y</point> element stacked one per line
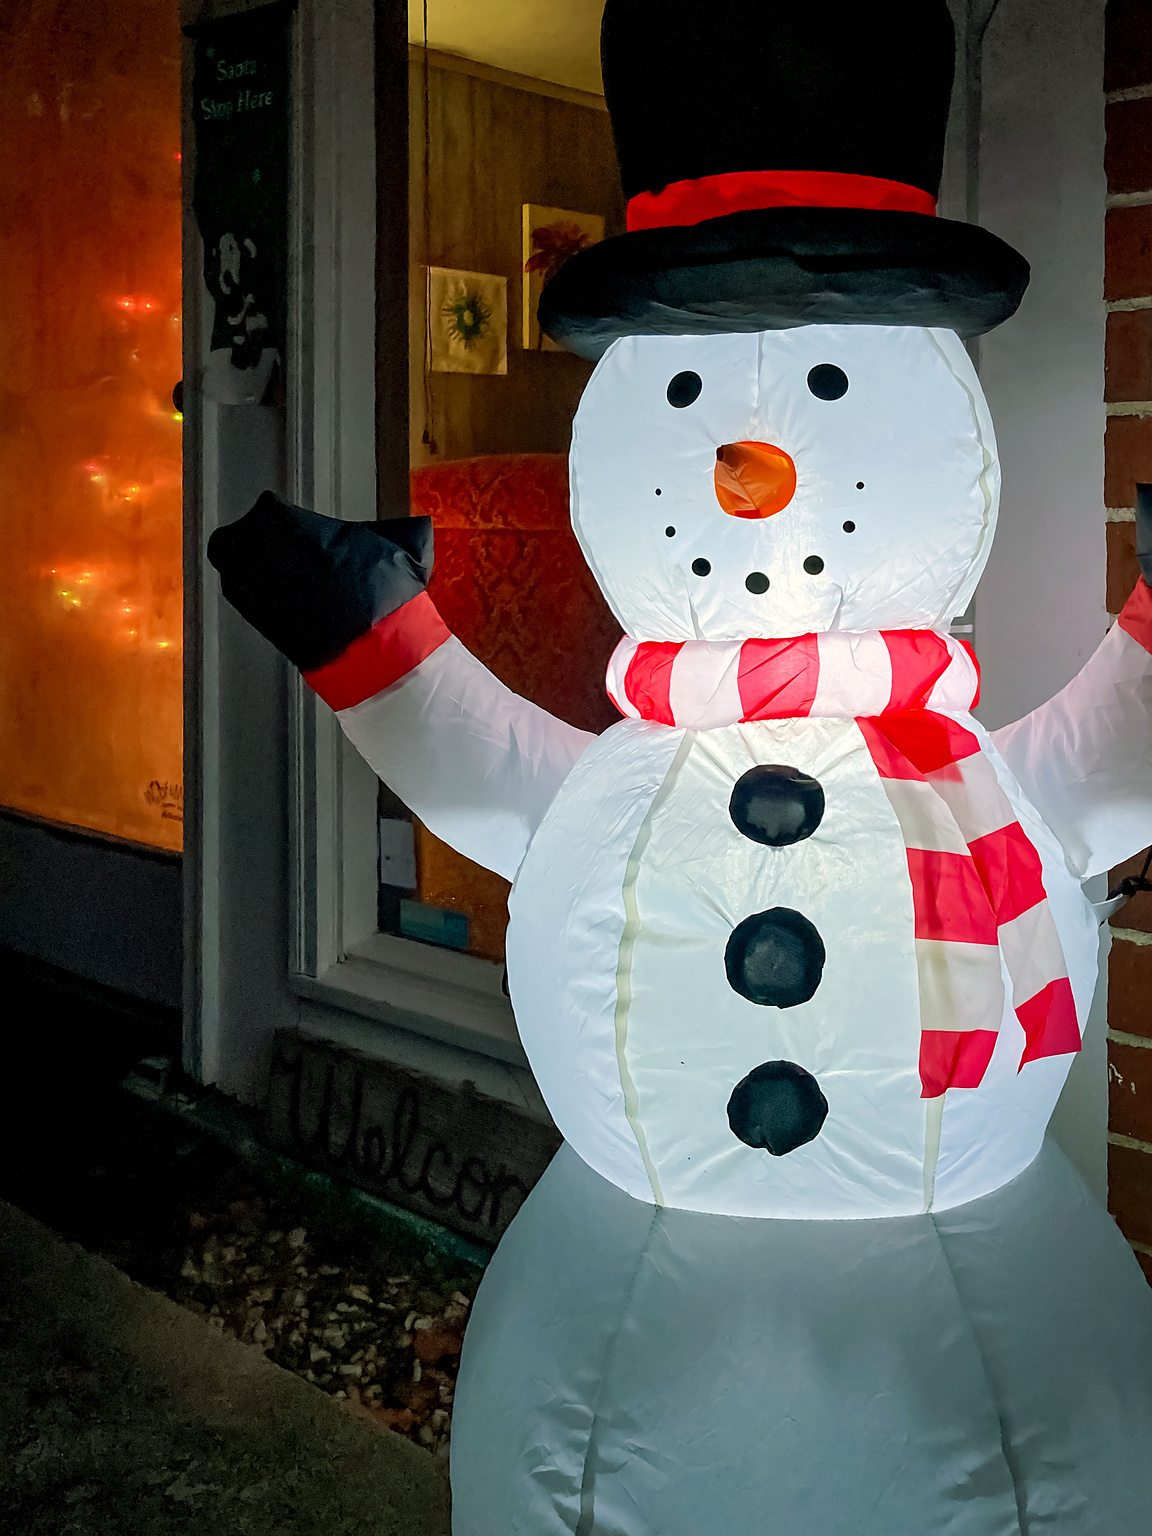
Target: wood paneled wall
<point>491,148</point>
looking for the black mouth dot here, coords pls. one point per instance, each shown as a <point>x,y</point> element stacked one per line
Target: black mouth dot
<point>859,486</point>
<point>658,491</point>
<point>813,565</point>
<point>669,532</point>
<point>849,527</point>
<point>757,583</point>
<point>702,567</point>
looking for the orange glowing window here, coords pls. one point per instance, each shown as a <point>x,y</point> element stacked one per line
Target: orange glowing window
<point>90,572</point>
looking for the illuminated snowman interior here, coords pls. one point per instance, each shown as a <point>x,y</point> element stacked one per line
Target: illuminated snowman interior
<point>682,493</point>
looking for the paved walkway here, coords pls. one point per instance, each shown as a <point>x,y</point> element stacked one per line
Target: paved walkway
<point>122,1414</point>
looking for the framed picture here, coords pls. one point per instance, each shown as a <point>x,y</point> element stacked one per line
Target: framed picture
<point>467,321</point>
<point>551,236</point>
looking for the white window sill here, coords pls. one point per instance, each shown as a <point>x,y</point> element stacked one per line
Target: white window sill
<point>438,993</point>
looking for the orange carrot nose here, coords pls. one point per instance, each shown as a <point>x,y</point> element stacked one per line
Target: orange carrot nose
<point>754,479</point>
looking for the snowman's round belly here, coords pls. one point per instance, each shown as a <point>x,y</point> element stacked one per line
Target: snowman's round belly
<point>659,954</point>
<point>724,1023</point>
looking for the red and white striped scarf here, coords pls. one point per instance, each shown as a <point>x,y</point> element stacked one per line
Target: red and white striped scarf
<point>977,884</point>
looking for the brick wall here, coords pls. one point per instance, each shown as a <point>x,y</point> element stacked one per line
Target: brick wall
<point>1128,459</point>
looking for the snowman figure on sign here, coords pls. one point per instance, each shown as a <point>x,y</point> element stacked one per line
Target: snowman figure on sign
<point>799,953</point>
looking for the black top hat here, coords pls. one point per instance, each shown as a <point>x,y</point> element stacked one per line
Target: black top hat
<point>781,159</point>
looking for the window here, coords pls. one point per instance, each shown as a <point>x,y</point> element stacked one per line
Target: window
<point>506,172</point>
<point>90,453</point>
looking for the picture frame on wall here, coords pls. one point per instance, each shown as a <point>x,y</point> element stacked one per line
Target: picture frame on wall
<point>550,237</point>
<point>467,321</point>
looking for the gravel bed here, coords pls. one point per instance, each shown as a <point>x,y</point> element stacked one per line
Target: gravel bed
<point>355,1325</point>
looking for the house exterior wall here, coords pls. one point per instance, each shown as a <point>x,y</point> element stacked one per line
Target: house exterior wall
<point>1036,178</point>
<point>1128,460</point>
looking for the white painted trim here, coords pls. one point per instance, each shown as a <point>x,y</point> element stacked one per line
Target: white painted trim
<point>416,1052</point>
<point>201,501</point>
<point>457,1016</point>
<point>331,446</point>
<point>336,955</point>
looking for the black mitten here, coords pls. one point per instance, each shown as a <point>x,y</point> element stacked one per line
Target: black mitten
<point>313,584</point>
<point>1144,531</point>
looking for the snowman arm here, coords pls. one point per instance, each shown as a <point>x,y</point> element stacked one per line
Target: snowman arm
<point>478,764</point>
<point>346,603</point>
<point>1084,759</point>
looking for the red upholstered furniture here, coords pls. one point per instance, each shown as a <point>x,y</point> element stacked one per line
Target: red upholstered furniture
<point>510,580</point>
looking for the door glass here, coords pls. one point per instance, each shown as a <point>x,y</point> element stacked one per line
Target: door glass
<point>512,171</point>
<point>90,578</point>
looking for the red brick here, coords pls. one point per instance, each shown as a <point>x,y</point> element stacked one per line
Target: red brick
<point>1130,1192</point>
<point>1127,458</point>
<point>1128,252</point>
<point>1123,569</point>
<point>1127,44</point>
<point>1130,1090</point>
<point>1136,913</point>
<point>1128,355</point>
<point>1128,151</point>
<point>1130,988</point>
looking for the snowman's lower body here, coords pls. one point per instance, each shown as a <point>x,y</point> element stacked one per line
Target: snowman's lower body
<point>635,1371</point>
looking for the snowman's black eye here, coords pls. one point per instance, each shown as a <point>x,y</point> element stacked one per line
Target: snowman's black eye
<point>686,387</point>
<point>827,382</point>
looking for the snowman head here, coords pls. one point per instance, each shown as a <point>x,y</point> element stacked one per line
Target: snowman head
<point>784,482</point>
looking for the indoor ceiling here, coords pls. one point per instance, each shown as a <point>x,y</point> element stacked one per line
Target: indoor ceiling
<point>556,40</point>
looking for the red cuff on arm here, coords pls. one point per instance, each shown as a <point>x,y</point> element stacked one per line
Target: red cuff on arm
<point>389,651</point>
<point>1136,615</point>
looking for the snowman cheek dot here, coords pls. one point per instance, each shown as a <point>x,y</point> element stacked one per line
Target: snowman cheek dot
<point>757,583</point>
<point>777,1107</point>
<point>813,565</point>
<point>774,958</point>
<point>702,567</point>
<point>669,532</point>
<point>849,527</point>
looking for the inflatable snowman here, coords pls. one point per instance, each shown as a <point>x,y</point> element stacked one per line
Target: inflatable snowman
<point>798,952</point>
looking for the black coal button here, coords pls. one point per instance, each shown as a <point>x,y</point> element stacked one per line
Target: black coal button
<point>775,958</point>
<point>776,805</point>
<point>778,1107</point>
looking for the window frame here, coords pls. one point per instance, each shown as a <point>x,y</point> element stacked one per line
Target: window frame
<point>337,956</point>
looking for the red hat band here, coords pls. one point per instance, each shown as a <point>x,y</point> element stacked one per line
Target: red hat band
<point>710,197</point>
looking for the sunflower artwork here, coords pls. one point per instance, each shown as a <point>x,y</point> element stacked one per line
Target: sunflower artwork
<point>467,321</point>
<point>551,236</point>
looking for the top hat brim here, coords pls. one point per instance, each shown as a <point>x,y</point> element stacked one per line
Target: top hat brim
<point>774,268</point>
